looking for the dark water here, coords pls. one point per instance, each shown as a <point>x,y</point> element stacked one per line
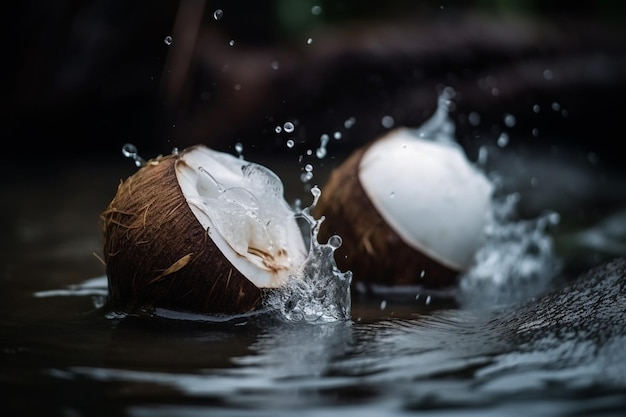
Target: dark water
<point>561,354</point>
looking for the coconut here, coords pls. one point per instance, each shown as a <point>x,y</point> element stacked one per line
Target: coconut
<point>199,231</point>
<point>410,207</point>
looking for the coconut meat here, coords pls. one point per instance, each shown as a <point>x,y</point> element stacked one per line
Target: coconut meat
<point>429,194</point>
<point>242,207</point>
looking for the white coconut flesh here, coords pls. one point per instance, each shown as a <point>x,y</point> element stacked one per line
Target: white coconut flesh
<point>242,207</point>
<point>429,194</point>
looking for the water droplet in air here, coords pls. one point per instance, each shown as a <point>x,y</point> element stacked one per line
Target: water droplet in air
<point>218,14</point>
<point>321,151</point>
<point>231,43</point>
<point>387,122</point>
<point>306,176</point>
<point>427,302</point>
<point>349,123</point>
<point>503,140</point>
<point>536,108</point>
<point>335,242</point>
<point>316,10</point>
<point>509,120</point>
<point>168,40</point>
<point>556,106</point>
<point>130,151</point>
<point>474,118</point>
<point>289,127</point>
<point>290,143</point>
<point>275,65</point>
<point>337,135</point>
<point>483,154</point>
<point>548,74</point>
<point>309,41</point>
<point>239,149</point>
<point>383,304</point>
<point>308,167</point>
<point>278,129</point>
<point>315,190</point>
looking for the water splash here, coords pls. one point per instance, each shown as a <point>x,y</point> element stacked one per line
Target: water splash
<point>322,292</point>
<point>516,259</point>
<point>130,151</point>
<point>515,262</point>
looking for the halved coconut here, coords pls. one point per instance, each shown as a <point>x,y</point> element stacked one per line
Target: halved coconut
<point>199,231</point>
<point>411,210</point>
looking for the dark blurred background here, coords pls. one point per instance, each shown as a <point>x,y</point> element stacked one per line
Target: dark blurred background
<point>84,77</point>
<point>81,78</point>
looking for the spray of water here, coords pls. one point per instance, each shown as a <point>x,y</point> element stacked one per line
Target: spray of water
<point>322,292</point>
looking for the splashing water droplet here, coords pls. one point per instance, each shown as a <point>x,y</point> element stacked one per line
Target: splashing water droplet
<point>321,151</point>
<point>168,40</point>
<point>306,176</point>
<point>208,186</point>
<point>263,180</point>
<point>548,74</point>
<point>130,151</point>
<point>387,122</point>
<point>335,241</point>
<point>231,43</point>
<point>349,122</point>
<point>483,155</point>
<point>316,192</point>
<point>509,120</point>
<point>278,129</point>
<point>218,14</point>
<point>290,143</point>
<point>309,41</point>
<point>503,140</point>
<point>289,127</point>
<point>239,149</point>
<point>337,135</point>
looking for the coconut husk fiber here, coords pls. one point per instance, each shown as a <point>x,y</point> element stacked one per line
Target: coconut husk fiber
<point>158,255</point>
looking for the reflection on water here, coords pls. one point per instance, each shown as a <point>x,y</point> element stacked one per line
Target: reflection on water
<point>556,355</point>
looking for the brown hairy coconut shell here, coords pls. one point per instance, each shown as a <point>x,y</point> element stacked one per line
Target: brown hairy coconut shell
<point>421,221</point>
<point>158,255</point>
